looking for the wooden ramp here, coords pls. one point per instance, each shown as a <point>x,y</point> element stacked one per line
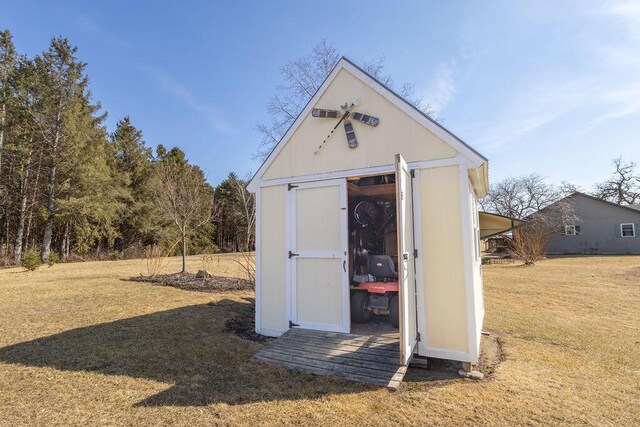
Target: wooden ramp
<point>366,359</point>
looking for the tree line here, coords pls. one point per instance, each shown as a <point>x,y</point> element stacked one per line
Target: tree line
<point>69,188</point>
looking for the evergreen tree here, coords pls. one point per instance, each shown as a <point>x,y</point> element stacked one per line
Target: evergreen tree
<point>229,218</point>
<point>70,125</point>
<point>25,152</point>
<point>8,61</point>
<point>132,165</point>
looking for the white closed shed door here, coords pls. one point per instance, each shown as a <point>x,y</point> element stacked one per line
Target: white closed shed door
<point>318,258</point>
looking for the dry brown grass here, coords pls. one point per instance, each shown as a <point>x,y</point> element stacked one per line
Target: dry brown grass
<point>80,346</point>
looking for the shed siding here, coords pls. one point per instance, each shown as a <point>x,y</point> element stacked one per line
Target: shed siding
<point>396,133</point>
<point>599,227</point>
<point>443,266</point>
<point>273,310</point>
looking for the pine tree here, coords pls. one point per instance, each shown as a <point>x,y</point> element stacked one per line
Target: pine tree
<point>69,125</point>
<point>229,218</point>
<point>132,165</point>
<point>8,61</point>
<point>26,152</point>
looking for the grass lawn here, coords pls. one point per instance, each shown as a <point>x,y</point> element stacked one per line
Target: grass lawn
<point>78,345</point>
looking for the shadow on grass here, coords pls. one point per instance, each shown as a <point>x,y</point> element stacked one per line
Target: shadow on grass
<point>185,347</point>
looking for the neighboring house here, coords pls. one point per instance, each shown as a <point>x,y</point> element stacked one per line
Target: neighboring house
<point>305,191</point>
<point>601,228</point>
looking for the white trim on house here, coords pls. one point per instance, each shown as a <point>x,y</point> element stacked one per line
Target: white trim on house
<point>633,229</point>
<point>467,254</point>
<point>570,230</point>
<point>258,264</point>
<point>472,158</point>
<point>374,170</point>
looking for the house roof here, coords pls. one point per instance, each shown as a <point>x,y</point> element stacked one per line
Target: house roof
<point>466,150</point>
<point>578,193</point>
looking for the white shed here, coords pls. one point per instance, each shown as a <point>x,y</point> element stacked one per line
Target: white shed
<point>389,183</point>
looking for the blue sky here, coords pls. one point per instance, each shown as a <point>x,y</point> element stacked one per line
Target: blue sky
<point>548,87</point>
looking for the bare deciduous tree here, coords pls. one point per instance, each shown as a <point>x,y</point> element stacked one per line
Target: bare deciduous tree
<point>567,188</point>
<point>302,77</point>
<point>182,194</point>
<point>623,187</point>
<point>247,200</point>
<point>520,196</point>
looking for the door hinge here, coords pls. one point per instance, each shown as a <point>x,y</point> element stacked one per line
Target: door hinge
<point>415,253</point>
<point>291,186</point>
<point>413,173</point>
<point>418,337</point>
<point>291,254</point>
<point>291,324</point>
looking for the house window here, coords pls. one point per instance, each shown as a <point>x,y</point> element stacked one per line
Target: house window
<point>628,230</point>
<point>571,230</point>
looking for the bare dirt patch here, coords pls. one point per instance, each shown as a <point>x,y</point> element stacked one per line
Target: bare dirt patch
<point>441,371</point>
<point>491,355</point>
<point>243,324</point>
<point>189,282</point>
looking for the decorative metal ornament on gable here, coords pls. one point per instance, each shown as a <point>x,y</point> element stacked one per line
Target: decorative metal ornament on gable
<point>348,126</point>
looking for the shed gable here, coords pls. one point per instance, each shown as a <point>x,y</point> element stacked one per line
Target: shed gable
<point>397,132</point>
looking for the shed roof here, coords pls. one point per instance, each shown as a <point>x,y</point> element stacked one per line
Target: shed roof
<point>474,158</point>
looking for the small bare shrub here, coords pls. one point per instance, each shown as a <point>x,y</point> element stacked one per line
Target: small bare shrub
<point>529,242</point>
<point>210,262</point>
<point>156,258</point>
<point>527,247</point>
<point>248,265</point>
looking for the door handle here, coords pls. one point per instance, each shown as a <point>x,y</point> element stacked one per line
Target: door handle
<point>344,265</point>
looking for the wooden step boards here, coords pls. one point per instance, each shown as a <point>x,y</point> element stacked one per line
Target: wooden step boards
<point>361,358</point>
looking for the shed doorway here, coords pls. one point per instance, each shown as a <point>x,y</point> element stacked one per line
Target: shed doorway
<point>382,257</point>
<point>373,256</point>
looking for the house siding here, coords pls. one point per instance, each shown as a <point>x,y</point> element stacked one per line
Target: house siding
<point>599,230</point>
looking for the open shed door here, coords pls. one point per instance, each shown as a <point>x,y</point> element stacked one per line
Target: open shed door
<point>319,281</point>
<point>406,263</point>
